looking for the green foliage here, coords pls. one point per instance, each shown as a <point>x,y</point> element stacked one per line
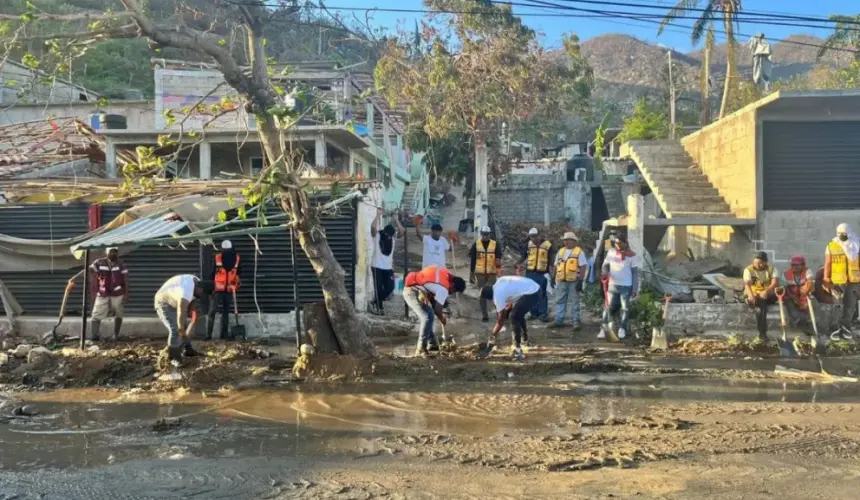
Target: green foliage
<point>845,34</point>
<point>646,313</point>
<point>449,158</point>
<point>599,142</point>
<point>646,122</point>
<point>477,69</point>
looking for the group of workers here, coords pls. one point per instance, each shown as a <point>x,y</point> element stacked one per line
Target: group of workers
<point>176,302</point>
<point>836,282</point>
<point>565,269</point>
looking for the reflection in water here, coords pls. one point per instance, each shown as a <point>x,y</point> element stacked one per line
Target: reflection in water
<point>87,428</point>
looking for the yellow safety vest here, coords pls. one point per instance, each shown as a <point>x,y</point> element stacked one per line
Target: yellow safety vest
<point>567,270</point>
<point>842,269</point>
<point>760,280</point>
<point>485,258</point>
<point>539,257</point>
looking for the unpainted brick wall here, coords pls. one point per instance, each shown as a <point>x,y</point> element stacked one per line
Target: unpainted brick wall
<point>521,199</point>
<point>726,153</point>
<point>790,232</point>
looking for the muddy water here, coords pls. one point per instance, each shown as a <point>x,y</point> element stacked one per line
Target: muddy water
<point>89,428</point>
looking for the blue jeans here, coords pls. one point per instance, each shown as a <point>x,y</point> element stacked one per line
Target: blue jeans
<point>167,314</point>
<point>566,292</point>
<point>539,310</point>
<point>619,298</point>
<point>425,315</point>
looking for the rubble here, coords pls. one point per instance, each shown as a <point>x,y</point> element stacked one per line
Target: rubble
<point>21,351</point>
<point>516,234</point>
<point>39,356</point>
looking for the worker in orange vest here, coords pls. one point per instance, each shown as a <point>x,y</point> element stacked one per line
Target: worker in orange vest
<point>799,282</point>
<point>425,292</point>
<point>226,283</point>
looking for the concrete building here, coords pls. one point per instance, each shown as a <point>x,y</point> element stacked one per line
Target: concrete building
<point>20,85</point>
<point>777,175</point>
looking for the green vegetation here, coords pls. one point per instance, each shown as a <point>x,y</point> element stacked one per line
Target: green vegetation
<point>646,122</point>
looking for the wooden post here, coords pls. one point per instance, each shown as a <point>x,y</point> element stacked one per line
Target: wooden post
<point>296,298</point>
<point>86,294</point>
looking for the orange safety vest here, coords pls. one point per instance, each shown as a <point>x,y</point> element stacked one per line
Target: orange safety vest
<point>794,284</point>
<point>226,280</point>
<point>430,274</point>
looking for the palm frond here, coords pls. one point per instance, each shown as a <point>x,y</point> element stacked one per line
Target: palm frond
<point>702,23</point>
<point>679,10</point>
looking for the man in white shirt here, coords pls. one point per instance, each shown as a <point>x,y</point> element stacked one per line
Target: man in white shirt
<point>435,246</point>
<point>621,276</point>
<point>425,292</point>
<point>514,297</point>
<point>382,265</point>
<point>571,268</point>
<point>174,302</point>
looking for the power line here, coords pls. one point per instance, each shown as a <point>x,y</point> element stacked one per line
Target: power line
<point>593,14</point>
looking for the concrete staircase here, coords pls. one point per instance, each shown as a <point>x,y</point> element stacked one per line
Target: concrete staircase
<point>679,186</point>
<point>614,198</point>
<point>408,200</point>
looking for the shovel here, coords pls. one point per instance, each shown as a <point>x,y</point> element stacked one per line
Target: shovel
<point>786,348</point>
<point>659,336</point>
<point>453,237</point>
<point>610,333</point>
<point>237,331</point>
<point>818,343</point>
<point>69,287</point>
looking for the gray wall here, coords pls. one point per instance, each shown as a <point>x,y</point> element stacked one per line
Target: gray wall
<point>523,198</point>
<point>789,232</point>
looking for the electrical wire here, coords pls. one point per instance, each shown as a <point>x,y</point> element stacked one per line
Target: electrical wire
<point>596,14</point>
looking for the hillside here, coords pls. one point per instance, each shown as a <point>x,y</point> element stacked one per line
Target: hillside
<point>625,66</point>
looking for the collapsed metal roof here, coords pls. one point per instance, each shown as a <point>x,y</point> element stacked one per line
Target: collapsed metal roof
<point>134,233</point>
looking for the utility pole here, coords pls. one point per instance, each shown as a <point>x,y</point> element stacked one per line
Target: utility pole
<point>671,99</point>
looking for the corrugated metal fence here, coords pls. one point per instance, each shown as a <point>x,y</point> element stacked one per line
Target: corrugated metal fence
<point>40,293</point>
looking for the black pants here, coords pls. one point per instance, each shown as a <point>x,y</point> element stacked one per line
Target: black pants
<point>219,302</point>
<point>518,316</point>
<point>383,280</point>
<point>760,307</point>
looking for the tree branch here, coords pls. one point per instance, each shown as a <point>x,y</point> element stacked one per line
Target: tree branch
<point>86,16</point>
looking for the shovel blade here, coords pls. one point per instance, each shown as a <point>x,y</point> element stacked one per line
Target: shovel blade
<point>238,332</point>
<point>611,335</point>
<point>786,348</point>
<point>659,340</point>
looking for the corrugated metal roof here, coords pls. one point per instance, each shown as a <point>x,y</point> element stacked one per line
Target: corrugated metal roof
<point>133,233</point>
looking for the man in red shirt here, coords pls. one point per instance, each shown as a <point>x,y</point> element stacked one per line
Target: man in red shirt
<point>109,277</point>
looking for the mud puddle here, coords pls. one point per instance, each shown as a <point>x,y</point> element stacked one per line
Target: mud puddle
<point>81,428</point>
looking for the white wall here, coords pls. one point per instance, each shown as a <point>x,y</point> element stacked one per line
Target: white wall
<point>365,246</point>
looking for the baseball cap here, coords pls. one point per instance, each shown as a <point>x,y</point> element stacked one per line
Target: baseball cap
<point>533,231</point>
<point>569,236</point>
<point>485,230</point>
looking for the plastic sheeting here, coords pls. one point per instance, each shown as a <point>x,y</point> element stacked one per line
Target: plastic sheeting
<point>24,255</point>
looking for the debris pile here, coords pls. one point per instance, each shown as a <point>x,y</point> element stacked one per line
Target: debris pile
<point>516,234</point>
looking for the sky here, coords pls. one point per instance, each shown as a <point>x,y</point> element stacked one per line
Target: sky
<point>552,23</point>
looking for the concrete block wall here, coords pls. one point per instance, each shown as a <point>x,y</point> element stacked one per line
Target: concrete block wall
<point>176,89</point>
<point>790,232</point>
<point>721,319</point>
<point>523,197</point>
<point>726,153</point>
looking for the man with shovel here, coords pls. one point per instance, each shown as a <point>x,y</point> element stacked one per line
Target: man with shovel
<point>226,283</point>
<point>175,301</point>
<point>799,284</point>
<point>110,283</point>
<point>425,292</point>
<point>760,282</point>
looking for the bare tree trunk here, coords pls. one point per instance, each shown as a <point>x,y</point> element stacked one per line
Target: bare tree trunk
<point>320,332</point>
<point>730,64</point>
<point>256,89</point>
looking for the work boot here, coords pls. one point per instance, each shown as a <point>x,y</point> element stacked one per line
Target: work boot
<point>518,354</point>
<point>174,354</point>
<point>189,352</point>
<point>485,318</point>
<point>622,333</point>
<point>117,326</point>
<point>97,325</point>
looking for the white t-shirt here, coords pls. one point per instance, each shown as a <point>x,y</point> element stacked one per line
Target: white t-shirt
<point>510,288</point>
<point>434,251</point>
<point>440,293</point>
<point>565,252</point>
<point>177,288</point>
<point>620,270</point>
<point>380,260</point>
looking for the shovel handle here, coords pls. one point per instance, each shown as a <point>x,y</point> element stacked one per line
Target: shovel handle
<point>780,293</point>
<point>235,306</point>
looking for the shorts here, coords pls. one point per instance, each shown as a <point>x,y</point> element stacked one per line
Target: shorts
<point>104,305</point>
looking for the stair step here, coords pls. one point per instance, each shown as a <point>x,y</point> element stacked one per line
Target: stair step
<point>698,191</point>
<point>683,176</point>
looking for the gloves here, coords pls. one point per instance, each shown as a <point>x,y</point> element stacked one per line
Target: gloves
<point>578,286</point>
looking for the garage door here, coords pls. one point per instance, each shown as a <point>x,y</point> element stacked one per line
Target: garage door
<point>811,165</point>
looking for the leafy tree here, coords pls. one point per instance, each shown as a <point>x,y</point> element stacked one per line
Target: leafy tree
<point>646,122</point>
<point>711,11</point>
<point>256,91</point>
<point>845,34</point>
<point>479,68</point>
